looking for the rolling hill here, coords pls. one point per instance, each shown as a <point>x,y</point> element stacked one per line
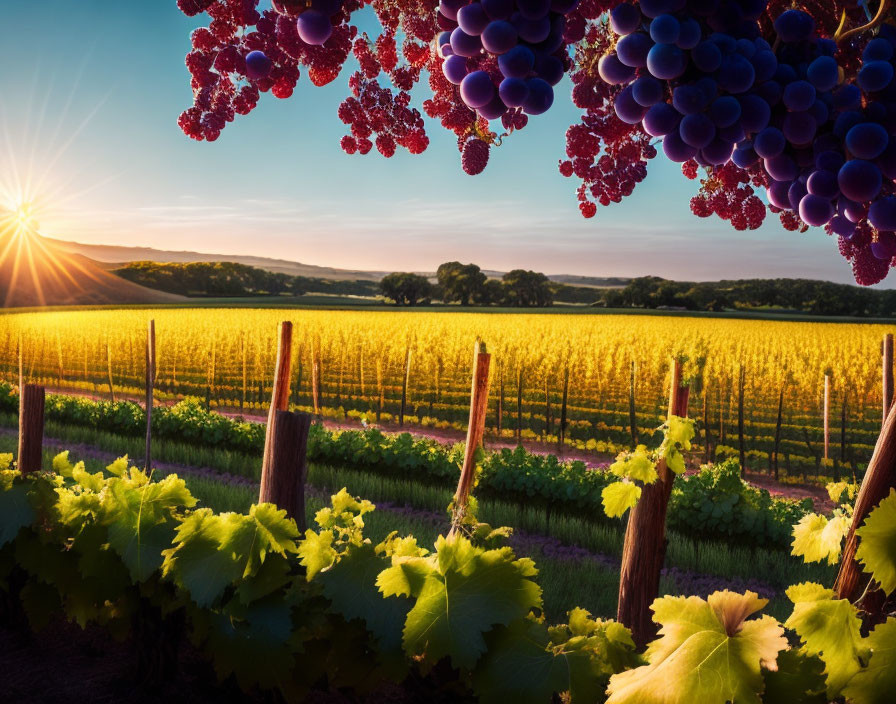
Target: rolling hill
<point>113,256</point>
<point>34,271</point>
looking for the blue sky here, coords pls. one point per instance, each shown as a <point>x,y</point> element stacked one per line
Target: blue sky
<point>91,91</point>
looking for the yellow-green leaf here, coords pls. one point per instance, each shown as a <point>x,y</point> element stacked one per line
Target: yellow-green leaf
<point>877,544</point>
<point>619,497</point>
<point>876,683</point>
<point>817,538</point>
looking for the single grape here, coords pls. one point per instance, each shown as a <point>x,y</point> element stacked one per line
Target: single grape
<point>823,183</point>
<point>697,130</point>
<point>550,68</point>
<point>464,44</point>
<point>533,31</point>
<point>477,89</point>
<point>799,127</point>
<point>627,109</point>
<point>675,148</point>
<point>829,161</point>
<point>706,57</point>
<point>769,143</point>
<point>665,61</point>
<point>755,113</point>
<point>859,180</point>
<point>689,34</point>
<point>314,27</point>
<point>493,109</point>
<point>867,140</point>
<point>823,73</point>
<point>625,18</point>
<point>724,111</point>
<point>660,120</point>
<point>498,9</point>
<point>472,19</point>
<point>794,26</point>
<point>841,226</point>
<point>646,91</point>
<point>815,210</point>
<point>455,69</point>
<point>882,213</point>
<point>717,152</point>
<point>258,65</point>
<point>533,9</point>
<point>540,98</point>
<point>744,156</point>
<point>610,69</point>
<point>665,29</point>
<point>875,76</point>
<point>499,37</point>
<point>799,95</point>
<point>885,247</point>
<point>781,168</point>
<point>632,50</point>
<point>513,92</point>
<point>777,194</point>
<point>878,49</point>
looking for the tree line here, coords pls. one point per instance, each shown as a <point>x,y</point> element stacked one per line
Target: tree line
<point>229,279</point>
<point>468,285</point>
<point>798,295</point>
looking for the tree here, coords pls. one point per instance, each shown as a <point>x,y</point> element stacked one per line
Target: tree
<point>461,282</point>
<point>405,288</point>
<point>528,288</point>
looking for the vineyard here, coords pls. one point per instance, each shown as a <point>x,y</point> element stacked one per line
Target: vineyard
<point>599,381</point>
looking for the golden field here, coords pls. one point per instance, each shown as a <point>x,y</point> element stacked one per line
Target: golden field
<point>227,356</point>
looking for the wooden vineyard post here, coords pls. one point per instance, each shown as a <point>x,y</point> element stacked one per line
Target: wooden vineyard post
<point>109,370</point>
<point>562,434</point>
<point>644,549</point>
<point>475,433</point>
<point>827,413</point>
<point>778,429</point>
<point>887,354</point>
<point>315,384</point>
<point>843,416</point>
<point>245,375</point>
<point>632,417</point>
<point>31,428</point>
<point>519,405</point>
<point>548,426</point>
<point>404,386</point>
<point>500,399</point>
<point>280,392</point>
<point>706,438</point>
<point>880,478</point>
<point>284,472</point>
<point>741,382</point>
<point>150,382</point>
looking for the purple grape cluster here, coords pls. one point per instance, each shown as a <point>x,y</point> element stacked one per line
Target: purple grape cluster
<point>505,54</point>
<point>697,74</point>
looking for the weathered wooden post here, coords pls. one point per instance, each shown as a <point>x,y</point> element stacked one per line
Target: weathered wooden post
<point>109,371</point>
<point>280,392</point>
<point>880,478</point>
<point>150,382</point>
<point>283,476</point>
<point>475,432</point>
<point>632,416</point>
<point>887,354</point>
<point>778,427</point>
<point>741,383</point>
<point>827,413</point>
<point>404,386</point>
<point>519,405</point>
<point>286,441</point>
<point>561,440</point>
<point>644,549</point>
<point>31,428</point>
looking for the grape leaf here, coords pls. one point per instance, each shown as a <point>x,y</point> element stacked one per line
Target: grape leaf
<point>799,679</point>
<point>708,652</point>
<point>212,551</point>
<point>118,467</point>
<point>461,592</point>
<point>877,547</point>
<point>675,461</point>
<point>680,431</point>
<point>316,552</point>
<point>141,521</point>
<point>62,466</point>
<point>15,509</point>
<point>619,497</point>
<point>519,667</point>
<point>829,628</point>
<point>636,465</point>
<point>876,683</point>
<point>6,459</point>
<point>92,482</point>
<point>816,538</point>
<point>350,585</point>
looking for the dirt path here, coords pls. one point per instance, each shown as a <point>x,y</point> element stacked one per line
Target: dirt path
<point>449,436</point>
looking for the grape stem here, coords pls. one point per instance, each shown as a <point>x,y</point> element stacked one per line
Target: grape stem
<point>878,18</point>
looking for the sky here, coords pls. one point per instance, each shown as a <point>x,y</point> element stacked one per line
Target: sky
<point>89,99</point>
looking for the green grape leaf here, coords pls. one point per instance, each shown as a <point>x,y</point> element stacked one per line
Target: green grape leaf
<point>817,538</point>
<point>461,592</point>
<point>708,652</point>
<point>636,465</point>
<point>877,547</point>
<point>91,482</point>
<point>316,552</point>
<point>212,551</point>
<point>350,585</point>
<point>253,645</point>
<point>118,467</point>
<point>519,667</point>
<point>62,466</point>
<point>15,508</point>
<point>680,431</point>
<point>675,461</point>
<point>76,507</point>
<point>829,628</point>
<point>876,683</point>
<point>271,576</point>
<point>799,679</point>
<point>141,521</point>
<point>619,497</point>
<point>6,459</point>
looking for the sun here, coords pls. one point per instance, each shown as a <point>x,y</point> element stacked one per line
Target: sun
<point>20,219</point>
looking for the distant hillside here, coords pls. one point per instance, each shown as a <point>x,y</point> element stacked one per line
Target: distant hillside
<point>35,272</point>
<point>117,256</point>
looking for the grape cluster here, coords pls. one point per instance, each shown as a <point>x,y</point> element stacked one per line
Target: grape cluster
<point>697,74</point>
<point>504,54</point>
